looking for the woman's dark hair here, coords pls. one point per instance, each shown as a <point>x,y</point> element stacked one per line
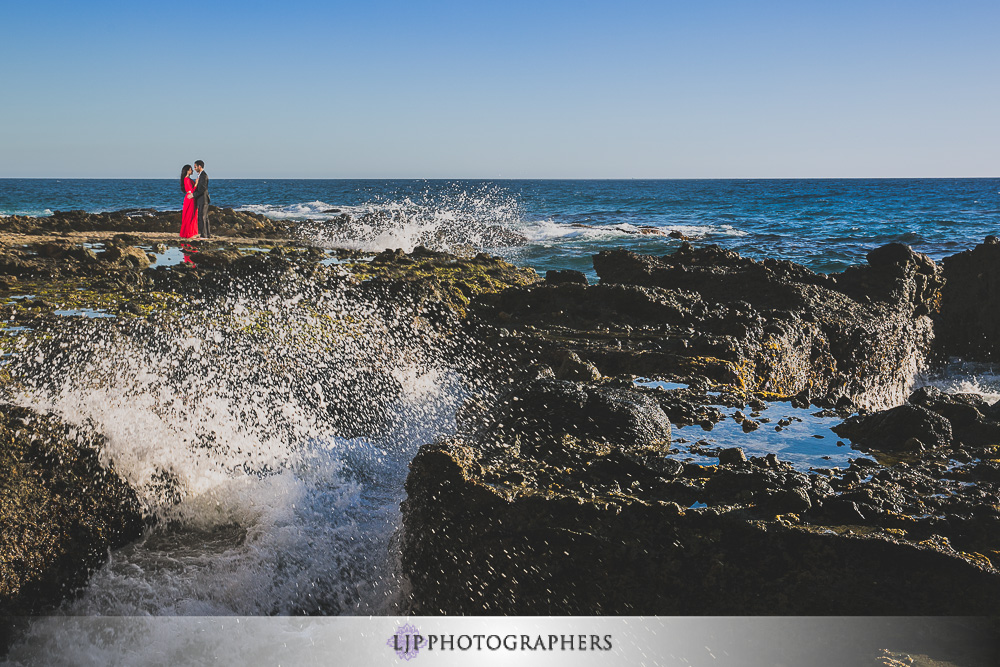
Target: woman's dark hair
<point>184,172</point>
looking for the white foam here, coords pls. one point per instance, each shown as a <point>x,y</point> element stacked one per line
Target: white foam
<point>546,231</point>
<point>454,218</point>
<point>964,377</point>
<point>315,210</point>
<point>231,434</point>
<point>487,217</point>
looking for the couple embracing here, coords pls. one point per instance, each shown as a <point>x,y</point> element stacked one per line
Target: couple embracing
<point>194,216</point>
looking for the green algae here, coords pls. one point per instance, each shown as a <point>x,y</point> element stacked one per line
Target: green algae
<point>457,281</point>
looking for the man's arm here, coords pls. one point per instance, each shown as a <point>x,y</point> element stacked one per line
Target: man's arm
<point>202,186</point>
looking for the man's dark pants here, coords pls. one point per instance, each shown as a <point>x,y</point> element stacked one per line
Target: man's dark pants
<point>203,227</point>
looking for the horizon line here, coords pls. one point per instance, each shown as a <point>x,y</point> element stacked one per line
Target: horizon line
<point>501,178</point>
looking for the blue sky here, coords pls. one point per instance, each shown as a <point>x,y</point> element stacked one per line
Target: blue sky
<point>710,89</point>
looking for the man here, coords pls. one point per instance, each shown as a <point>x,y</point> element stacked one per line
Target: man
<point>202,200</point>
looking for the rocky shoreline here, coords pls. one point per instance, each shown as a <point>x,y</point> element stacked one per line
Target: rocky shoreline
<point>566,490</point>
<point>225,222</point>
<point>565,503</point>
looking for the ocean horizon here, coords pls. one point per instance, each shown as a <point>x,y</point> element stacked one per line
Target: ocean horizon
<point>826,224</point>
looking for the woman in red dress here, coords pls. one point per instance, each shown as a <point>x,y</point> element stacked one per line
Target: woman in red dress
<point>189,214</point>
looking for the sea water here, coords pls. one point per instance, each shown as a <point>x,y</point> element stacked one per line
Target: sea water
<point>826,224</point>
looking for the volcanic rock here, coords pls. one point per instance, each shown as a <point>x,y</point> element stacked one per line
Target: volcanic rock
<point>891,429</point>
<point>770,326</point>
<point>60,510</point>
<point>969,323</point>
<point>125,255</point>
<point>565,276</point>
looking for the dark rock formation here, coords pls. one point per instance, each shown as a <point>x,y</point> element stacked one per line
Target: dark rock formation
<point>770,326</point>
<point>565,276</point>
<point>125,255</point>
<point>443,277</point>
<point>60,510</point>
<point>969,325</point>
<point>547,413</point>
<point>897,428</point>
<point>547,509</point>
<point>561,492</point>
<point>569,525</point>
<point>930,419</point>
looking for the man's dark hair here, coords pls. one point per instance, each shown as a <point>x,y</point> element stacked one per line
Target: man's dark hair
<point>200,163</point>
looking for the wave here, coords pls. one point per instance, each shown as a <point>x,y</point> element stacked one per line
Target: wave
<point>457,218</point>
<point>313,210</point>
<point>964,377</point>
<point>30,213</point>
<point>269,439</point>
<point>547,230</point>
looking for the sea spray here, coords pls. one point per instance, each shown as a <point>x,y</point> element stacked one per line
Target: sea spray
<point>965,377</point>
<point>454,218</point>
<point>266,425</point>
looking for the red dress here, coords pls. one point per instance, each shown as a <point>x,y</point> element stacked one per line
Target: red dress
<point>189,215</point>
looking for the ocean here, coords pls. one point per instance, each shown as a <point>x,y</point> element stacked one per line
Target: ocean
<point>826,224</point>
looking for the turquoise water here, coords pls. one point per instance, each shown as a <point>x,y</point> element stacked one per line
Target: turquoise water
<point>824,224</point>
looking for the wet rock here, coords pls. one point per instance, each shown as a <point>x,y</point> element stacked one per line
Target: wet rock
<point>969,323</point>
<point>60,510</point>
<point>571,367</point>
<point>732,456</point>
<point>541,413</point>
<point>766,326</point>
<point>890,430</point>
<point>82,254</point>
<point>565,276</point>
<point>49,249</point>
<point>801,399</point>
<point>670,467</point>
<point>784,501</point>
<point>840,510</point>
<point>753,549</point>
<point>125,256</point>
<point>217,258</point>
<point>125,240</point>
<point>962,410</point>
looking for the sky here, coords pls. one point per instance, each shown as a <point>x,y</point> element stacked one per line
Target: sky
<point>380,89</point>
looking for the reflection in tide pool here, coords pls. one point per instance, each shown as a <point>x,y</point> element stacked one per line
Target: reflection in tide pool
<point>805,442</point>
<point>801,436</point>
